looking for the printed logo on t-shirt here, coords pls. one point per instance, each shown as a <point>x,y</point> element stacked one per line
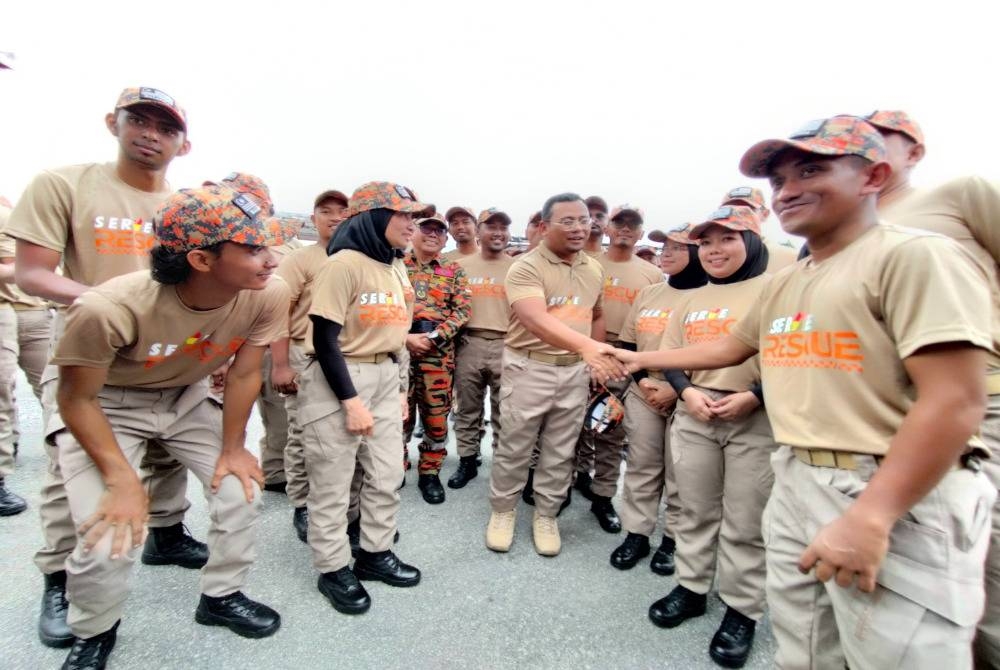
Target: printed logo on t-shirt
<point>652,321</point>
<point>615,292</point>
<point>706,325</point>
<point>196,346</point>
<point>794,341</point>
<point>382,308</point>
<point>570,309</point>
<point>486,287</point>
<point>119,235</point>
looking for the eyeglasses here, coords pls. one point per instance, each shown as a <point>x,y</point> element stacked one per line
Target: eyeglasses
<point>433,230</point>
<point>626,222</point>
<point>675,248</point>
<point>569,222</point>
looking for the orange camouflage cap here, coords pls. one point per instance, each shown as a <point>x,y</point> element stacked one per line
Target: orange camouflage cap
<point>146,95</point>
<point>494,213</point>
<point>193,218</point>
<point>836,136</point>
<point>896,121</point>
<point>749,196</point>
<point>251,185</point>
<point>290,227</point>
<point>626,209</point>
<point>733,217</point>
<point>384,195</point>
<point>679,235</point>
<point>452,211</point>
<point>433,217</point>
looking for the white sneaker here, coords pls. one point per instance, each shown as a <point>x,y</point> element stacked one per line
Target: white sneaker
<point>545,532</point>
<point>500,530</point>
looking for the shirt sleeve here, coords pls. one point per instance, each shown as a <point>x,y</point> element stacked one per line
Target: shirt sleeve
<point>523,281</point>
<point>290,269</point>
<point>747,329</point>
<point>461,307</point>
<point>334,288</point>
<point>272,321</point>
<point>929,293</point>
<point>980,206</point>
<point>96,328</point>
<point>44,212</point>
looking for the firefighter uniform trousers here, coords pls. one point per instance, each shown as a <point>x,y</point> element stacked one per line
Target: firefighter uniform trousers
<point>430,393</point>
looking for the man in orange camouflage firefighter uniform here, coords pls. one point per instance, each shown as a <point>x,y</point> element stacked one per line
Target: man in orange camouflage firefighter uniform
<point>439,312</point>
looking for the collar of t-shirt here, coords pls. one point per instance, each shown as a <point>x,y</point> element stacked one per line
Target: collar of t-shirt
<point>579,259</point>
<point>431,263</point>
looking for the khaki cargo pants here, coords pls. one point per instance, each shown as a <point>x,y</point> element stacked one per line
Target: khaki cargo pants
<point>987,646</point>
<point>478,366</point>
<point>188,426</point>
<point>929,595</point>
<point>24,343</point>
<point>273,415</point>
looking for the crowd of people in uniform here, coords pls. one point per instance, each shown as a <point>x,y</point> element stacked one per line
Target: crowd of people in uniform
<point>809,433</point>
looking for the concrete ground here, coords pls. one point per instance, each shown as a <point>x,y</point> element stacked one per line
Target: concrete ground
<point>473,608</point>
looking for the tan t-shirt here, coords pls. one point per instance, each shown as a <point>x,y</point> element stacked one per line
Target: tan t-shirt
<point>102,226</point>
<point>455,255</point>
<point>488,295</point>
<point>299,270</point>
<point>146,337</point>
<point>622,283</point>
<point>967,210</point>
<point>10,294</point>
<point>709,313</point>
<point>833,335</point>
<point>779,256</point>
<point>371,300</point>
<point>288,247</point>
<point>571,291</point>
<point>650,315</point>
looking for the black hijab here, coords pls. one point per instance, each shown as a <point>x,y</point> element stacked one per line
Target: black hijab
<point>365,232</point>
<point>693,275</point>
<point>754,265</point>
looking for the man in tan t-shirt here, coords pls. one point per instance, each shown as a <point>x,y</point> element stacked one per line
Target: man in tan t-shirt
<point>462,228</point>
<point>299,270</point>
<point>555,298</point>
<point>598,209</point>
<point>780,256</point>
<point>624,276</point>
<point>480,347</point>
<point>94,221</point>
<point>967,210</point>
<point>533,231</point>
<point>143,345</point>
<point>872,360</point>
<point>25,328</point>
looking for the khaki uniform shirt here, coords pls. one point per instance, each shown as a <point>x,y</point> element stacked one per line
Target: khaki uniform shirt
<point>833,335</point>
<point>102,226</point>
<point>571,291</point>
<point>709,313</point>
<point>779,256</point>
<point>299,270</point>
<point>10,294</point>
<point>146,337</point>
<point>622,283</point>
<point>371,300</point>
<point>968,211</point>
<point>487,293</point>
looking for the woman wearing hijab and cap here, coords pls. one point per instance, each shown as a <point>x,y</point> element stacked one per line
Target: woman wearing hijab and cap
<point>649,404</point>
<point>352,393</point>
<point>720,443</point>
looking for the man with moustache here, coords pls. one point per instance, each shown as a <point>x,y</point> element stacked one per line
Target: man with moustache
<point>462,228</point>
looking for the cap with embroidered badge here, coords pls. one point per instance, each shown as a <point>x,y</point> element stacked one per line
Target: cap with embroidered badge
<point>434,218</point>
<point>749,196</point>
<point>896,121</point>
<point>493,213</point>
<point>733,217</point>
<point>146,95</point>
<point>836,136</point>
<point>626,209</point>
<point>384,195</point>
<point>193,218</point>
<point>679,235</point>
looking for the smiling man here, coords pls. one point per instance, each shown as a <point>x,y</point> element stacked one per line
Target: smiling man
<point>462,228</point>
<point>873,359</point>
<point>480,348</point>
<point>133,367</point>
<point>93,222</point>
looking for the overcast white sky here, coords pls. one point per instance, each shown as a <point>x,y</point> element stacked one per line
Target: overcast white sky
<point>496,104</point>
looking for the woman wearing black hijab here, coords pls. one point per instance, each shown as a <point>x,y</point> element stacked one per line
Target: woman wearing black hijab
<point>649,405</point>
<point>721,443</point>
<point>350,405</point>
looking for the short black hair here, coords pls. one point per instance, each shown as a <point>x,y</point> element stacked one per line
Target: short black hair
<point>172,267</point>
<point>555,200</point>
